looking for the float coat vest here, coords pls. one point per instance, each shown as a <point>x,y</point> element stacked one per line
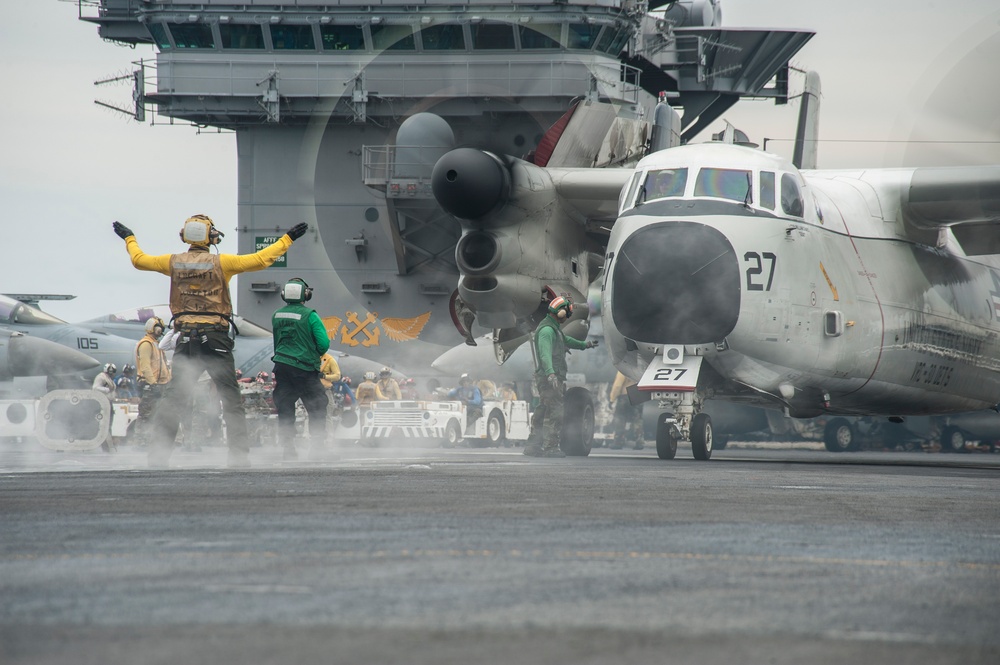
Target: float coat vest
<point>151,362</point>
<point>557,353</point>
<point>197,284</point>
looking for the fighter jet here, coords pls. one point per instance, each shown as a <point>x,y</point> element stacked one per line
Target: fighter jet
<point>26,356</point>
<point>76,352</point>
<point>729,273</point>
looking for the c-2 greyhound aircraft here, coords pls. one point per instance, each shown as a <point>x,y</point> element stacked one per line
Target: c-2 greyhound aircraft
<point>729,273</point>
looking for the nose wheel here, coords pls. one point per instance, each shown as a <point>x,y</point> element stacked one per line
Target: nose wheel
<point>701,436</point>
<point>669,431</point>
<point>667,434</point>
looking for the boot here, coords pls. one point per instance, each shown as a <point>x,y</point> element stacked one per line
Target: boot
<point>238,459</point>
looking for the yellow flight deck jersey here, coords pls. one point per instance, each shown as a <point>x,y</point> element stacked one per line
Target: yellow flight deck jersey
<point>367,393</point>
<point>151,362</point>
<point>390,389</point>
<point>330,370</point>
<point>231,264</point>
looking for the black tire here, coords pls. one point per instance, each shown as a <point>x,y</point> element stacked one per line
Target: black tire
<point>720,442</point>
<point>952,439</point>
<point>452,434</point>
<point>578,422</point>
<point>701,436</point>
<point>839,436</point>
<point>666,438</point>
<point>349,418</point>
<point>495,430</point>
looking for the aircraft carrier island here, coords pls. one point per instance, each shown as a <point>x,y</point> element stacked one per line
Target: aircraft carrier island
<point>341,109</point>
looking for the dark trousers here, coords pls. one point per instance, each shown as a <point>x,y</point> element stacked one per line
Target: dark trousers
<point>547,420</point>
<point>290,385</point>
<point>627,422</point>
<point>210,351</point>
<point>148,403</point>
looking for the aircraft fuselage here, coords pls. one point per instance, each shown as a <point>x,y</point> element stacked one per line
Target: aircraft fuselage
<point>799,289</point>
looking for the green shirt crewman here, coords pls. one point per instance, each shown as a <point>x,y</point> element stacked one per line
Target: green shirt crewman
<point>551,346</point>
<point>300,340</point>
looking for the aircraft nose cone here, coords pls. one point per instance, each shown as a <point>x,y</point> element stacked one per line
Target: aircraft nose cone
<point>32,356</point>
<point>676,283</point>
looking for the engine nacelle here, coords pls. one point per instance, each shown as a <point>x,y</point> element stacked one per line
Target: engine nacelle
<point>470,183</point>
<point>520,243</point>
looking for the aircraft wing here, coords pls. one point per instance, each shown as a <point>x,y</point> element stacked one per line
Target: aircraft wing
<point>965,198</point>
<point>591,194</point>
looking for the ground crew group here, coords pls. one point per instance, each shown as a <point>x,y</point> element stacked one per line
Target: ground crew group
<point>201,310</point>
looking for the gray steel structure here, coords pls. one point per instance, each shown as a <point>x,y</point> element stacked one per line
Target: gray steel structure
<point>316,89</point>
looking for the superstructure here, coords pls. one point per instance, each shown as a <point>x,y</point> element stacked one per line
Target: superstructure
<point>316,90</point>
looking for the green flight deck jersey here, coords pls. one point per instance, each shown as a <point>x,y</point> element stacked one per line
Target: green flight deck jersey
<point>300,338</point>
<point>551,345</point>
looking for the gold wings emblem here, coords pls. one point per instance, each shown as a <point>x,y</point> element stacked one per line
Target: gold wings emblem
<point>404,330</point>
<point>332,325</point>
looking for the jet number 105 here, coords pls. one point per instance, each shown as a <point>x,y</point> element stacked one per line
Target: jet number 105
<point>755,270</point>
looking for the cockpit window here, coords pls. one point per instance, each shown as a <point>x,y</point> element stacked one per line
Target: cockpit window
<point>791,197</point>
<point>767,190</point>
<point>140,314</point>
<point>628,192</point>
<point>664,183</point>
<point>733,184</point>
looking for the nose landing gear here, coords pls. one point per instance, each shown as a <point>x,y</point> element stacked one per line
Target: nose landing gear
<point>683,423</point>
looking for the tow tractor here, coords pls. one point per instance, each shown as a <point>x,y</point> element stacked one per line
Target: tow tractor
<point>445,421</point>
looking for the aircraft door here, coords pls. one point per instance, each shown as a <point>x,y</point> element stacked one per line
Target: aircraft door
<point>848,312</point>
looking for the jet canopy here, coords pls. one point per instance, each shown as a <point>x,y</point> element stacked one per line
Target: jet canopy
<point>14,311</point>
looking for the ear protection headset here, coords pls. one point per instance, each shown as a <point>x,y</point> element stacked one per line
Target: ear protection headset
<point>561,308</point>
<point>296,290</point>
<point>200,230</point>
<point>153,323</point>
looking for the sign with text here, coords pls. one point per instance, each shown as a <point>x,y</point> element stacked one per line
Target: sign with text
<point>265,241</point>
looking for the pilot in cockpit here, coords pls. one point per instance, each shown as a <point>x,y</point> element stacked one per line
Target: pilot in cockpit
<point>665,183</point>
